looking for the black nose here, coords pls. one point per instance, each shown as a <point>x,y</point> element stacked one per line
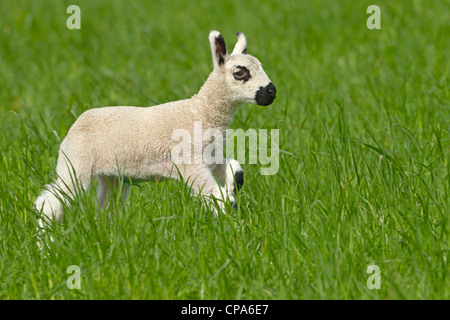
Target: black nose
<point>265,95</point>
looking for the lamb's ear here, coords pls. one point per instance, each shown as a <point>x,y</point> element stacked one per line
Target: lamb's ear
<point>241,45</point>
<point>218,48</point>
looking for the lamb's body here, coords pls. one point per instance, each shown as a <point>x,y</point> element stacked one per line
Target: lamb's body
<point>124,138</point>
<point>105,140</point>
<point>136,142</point>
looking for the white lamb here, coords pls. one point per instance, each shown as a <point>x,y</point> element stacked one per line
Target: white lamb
<point>135,142</point>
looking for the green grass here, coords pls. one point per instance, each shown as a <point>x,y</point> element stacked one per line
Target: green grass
<point>363,115</point>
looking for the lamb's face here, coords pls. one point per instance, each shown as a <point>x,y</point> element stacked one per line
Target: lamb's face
<point>247,80</point>
<point>243,73</point>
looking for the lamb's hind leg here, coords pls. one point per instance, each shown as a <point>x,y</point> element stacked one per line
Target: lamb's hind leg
<point>49,204</point>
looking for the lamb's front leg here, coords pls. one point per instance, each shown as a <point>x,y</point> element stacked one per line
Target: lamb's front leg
<point>203,182</point>
<point>230,175</point>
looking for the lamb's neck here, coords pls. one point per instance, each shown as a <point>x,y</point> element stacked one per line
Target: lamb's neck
<point>217,105</point>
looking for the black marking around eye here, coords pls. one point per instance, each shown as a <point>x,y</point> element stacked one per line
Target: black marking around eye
<point>247,74</point>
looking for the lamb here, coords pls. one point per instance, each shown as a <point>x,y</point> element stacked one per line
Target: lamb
<point>111,143</point>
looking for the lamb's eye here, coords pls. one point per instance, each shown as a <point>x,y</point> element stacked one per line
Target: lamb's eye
<point>239,74</point>
<point>242,74</point>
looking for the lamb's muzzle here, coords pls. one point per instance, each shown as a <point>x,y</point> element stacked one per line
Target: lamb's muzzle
<point>266,95</point>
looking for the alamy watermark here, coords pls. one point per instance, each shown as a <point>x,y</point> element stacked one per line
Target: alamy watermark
<point>74,281</point>
<point>74,20</point>
<point>374,20</point>
<point>374,281</point>
<point>207,146</point>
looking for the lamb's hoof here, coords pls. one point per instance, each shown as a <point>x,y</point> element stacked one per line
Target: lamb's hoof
<point>234,205</point>
<point>239,178</point>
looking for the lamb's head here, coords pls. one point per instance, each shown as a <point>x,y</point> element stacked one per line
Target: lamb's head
<point>243,73</point>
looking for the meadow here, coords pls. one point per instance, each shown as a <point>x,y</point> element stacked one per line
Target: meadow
<point>364,136</point>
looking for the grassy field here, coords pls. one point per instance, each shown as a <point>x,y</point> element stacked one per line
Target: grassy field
<point>364,123</point>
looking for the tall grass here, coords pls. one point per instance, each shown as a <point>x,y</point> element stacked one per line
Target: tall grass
<point>363,117</point>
